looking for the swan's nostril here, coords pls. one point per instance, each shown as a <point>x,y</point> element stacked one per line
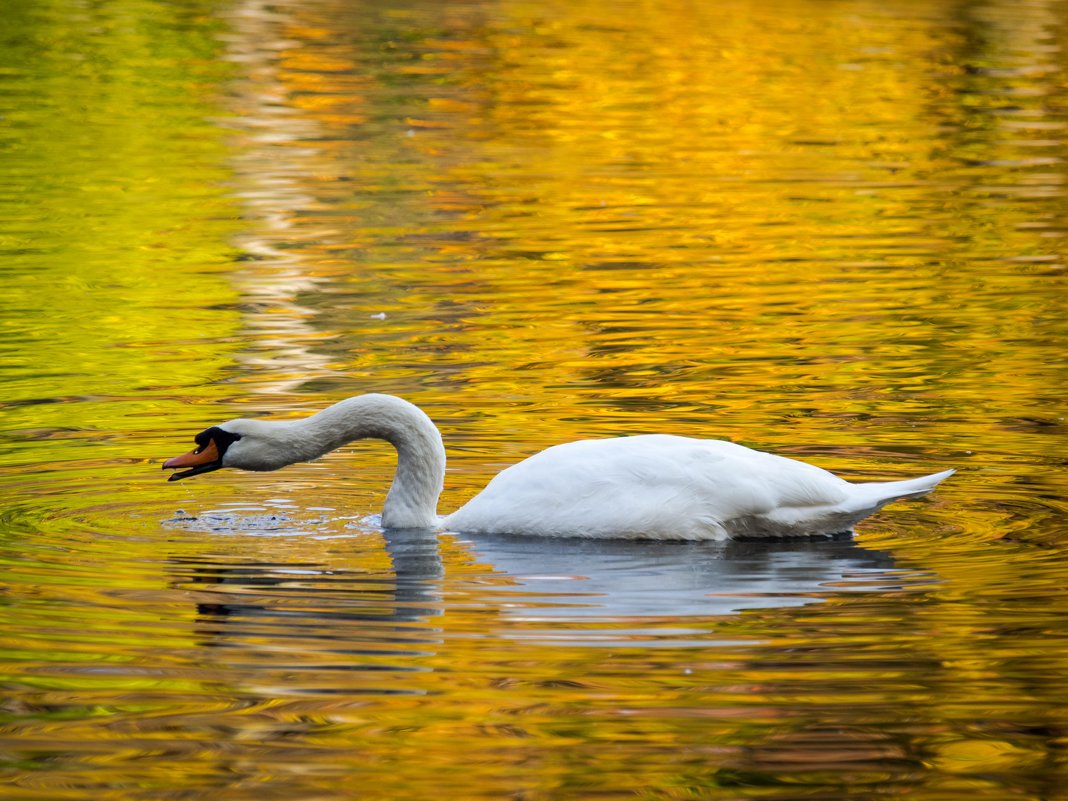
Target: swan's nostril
<point>201,457</point>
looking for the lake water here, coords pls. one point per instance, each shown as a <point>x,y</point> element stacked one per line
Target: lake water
<point>832,229</point>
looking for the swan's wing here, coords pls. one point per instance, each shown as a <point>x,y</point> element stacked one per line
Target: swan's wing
<point>654,486</point>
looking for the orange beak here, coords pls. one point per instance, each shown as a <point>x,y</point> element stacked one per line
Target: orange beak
<point>202,460</point>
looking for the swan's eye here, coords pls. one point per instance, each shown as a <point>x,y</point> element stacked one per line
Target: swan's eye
<point>221,438</point>
<point>203,439</point>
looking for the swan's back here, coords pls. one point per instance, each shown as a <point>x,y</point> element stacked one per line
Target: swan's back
<point>652,486</point>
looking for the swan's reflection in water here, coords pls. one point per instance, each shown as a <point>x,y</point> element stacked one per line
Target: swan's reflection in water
<point>668,587</point>
<point>666,592</point>
<point>625,579</point>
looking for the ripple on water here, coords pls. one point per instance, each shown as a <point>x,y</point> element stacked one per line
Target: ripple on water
<point>248,520</point>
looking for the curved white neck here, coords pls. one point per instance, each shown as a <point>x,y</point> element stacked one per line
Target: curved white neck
<point>413,497</point>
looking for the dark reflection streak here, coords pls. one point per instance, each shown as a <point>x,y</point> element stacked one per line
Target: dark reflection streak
<point>295,601</point>
<point>971,135</point>
<point>836,754</point>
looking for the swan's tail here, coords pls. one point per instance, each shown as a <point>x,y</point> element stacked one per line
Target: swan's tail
<point>880,493</point>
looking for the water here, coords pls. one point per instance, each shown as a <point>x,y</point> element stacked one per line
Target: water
<point>833,230</point>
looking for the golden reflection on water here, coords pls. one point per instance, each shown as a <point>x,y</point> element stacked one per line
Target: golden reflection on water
<point>832,230</point>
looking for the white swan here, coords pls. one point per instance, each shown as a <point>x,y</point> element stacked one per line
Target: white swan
<point>642,487</point>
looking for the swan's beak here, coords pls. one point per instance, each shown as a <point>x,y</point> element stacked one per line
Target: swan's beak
<point>202,460</point>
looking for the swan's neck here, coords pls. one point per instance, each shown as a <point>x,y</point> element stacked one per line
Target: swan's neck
<point>413,497</point>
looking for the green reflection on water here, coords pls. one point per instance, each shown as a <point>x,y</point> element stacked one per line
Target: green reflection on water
<point>114,214</point>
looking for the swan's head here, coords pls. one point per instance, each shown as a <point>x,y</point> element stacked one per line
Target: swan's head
<point>245,444</point>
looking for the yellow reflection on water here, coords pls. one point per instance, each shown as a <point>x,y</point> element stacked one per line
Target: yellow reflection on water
<point>546,212</point>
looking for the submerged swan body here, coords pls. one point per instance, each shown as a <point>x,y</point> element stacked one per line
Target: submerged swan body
<point>643,487</point>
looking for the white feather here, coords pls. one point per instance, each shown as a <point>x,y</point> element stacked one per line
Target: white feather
<point>644,487</point>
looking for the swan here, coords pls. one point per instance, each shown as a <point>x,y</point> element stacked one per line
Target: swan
<point>651,486</point>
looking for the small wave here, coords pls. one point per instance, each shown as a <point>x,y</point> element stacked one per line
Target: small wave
<point>258,521</point>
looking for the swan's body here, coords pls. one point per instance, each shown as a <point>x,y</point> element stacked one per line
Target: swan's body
<point>644,487</point>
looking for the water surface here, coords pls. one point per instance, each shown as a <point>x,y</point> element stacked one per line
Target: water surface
<point>833,230</point>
